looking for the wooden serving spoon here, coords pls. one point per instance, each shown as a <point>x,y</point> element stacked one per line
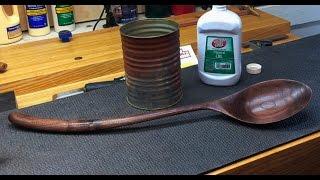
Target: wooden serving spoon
<point>262,103</point>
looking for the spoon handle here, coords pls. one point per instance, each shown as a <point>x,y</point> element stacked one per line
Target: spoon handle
<point>57,125</point>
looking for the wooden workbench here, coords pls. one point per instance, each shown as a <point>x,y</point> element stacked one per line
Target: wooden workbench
<point>39,70</point>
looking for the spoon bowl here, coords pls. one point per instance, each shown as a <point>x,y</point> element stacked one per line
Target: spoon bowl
<point>267,102</point>
<point>262,103</point>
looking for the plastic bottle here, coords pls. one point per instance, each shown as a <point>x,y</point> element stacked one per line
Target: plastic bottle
<point>125,13</point>
<point>157,11</point>
<point>182,9</point>
<point>10,30</point>
<point>219,46</point>
<point>38,21</point>
<point>63,17</point>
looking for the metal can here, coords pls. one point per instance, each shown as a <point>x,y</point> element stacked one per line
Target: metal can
<point>151,53</point>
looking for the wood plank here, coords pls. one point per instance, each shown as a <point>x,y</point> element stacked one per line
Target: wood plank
<point>72,75</point>
<point>291,37</point>
<point>254,27</point>
<point>51,56</point>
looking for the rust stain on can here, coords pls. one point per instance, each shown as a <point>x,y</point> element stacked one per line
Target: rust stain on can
<point>151,53</point>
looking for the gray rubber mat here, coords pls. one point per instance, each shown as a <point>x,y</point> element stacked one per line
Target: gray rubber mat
<point>7,101</point>
<point>191,143</point>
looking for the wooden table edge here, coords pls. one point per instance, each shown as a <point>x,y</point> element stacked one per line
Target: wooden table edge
<point>266,154</point>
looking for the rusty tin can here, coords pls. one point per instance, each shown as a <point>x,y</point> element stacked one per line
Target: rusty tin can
<point>151,53</point>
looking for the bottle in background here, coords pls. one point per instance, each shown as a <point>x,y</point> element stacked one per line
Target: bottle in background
<point>125,13</point>
<point>10,30</point>
<point>110,19</point>
<point>183,9</point>
<point>63,17</point>
<point>219,46</point>
<point>38,20</point>
<point>157,11</point>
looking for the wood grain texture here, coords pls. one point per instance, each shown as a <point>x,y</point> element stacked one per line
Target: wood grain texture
<point>266,25</point>
<point>44,68</point>
<point>300,157</point>
<point>291,37</point>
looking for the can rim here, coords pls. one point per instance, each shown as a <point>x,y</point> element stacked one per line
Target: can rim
<point>159,20</point>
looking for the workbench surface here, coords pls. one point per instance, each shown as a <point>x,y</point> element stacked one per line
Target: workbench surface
<point>39,70</point>
<point>190,143</point>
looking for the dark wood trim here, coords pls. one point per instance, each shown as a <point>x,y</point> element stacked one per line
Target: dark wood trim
<point>298,157</point>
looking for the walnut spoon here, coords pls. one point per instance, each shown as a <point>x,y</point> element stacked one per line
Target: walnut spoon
<point>262,103</point>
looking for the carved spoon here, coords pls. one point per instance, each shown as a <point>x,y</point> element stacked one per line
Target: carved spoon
<point>262,103</point>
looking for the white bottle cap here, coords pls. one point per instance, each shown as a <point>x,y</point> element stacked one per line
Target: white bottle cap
<point>254,68</point>
<point>219,7</point>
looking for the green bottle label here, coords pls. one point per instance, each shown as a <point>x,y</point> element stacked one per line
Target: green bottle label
<point>65,15</point>
<point>219,55</point>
